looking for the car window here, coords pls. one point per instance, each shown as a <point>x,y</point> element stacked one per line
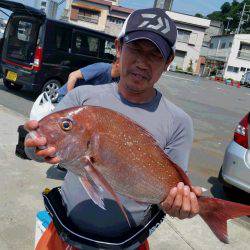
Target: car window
<point>86,44</point>
<point>109,50</point>
<point>63,39</point>
<point>21,38</point>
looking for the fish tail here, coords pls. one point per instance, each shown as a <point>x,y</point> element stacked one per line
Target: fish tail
<point>215,212</point>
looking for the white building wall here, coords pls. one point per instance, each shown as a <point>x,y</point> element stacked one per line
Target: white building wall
<point>193,46</point>
<point>233,59</point>
<point>197,27</point>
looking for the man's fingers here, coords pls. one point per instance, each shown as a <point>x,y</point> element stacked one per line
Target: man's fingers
<point>48,152</point>
<point>194,205</point>
<point>39,141</point>
<point>31,125</point>
<point>52,160</point>
<point>197,190</point>
<point>186,206</point>
<point>178,200</point>
<point>167,203</point>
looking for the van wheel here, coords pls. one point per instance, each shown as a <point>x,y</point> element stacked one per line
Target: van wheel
<point>12,86</point>
<point>51,87</point>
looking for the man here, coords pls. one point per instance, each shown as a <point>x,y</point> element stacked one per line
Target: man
<point>145,49</point>
<point>94,74</point>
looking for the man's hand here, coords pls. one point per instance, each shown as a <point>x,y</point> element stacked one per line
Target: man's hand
<point>73,77</point>
<point>181,202</point>
<point>47,153</point>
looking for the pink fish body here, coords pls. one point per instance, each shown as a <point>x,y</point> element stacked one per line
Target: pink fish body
<point>110,151</point>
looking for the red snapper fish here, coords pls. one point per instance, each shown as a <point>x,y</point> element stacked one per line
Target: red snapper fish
<point>110,152</point>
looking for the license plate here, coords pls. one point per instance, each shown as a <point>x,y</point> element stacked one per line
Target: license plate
<point>12,76</point>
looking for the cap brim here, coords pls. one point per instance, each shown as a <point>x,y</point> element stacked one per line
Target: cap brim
<point>158,40</point>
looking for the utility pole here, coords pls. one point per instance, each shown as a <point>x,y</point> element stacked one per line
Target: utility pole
<point>242,17</point>
<point>228,21</point>
<point>164,4</point>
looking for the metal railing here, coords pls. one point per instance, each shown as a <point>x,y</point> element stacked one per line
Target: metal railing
<point>244,54</point>
<point>88,19</point>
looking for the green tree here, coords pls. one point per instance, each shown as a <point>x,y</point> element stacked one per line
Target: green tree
<point>199,15</point>
<point>232,10</point>
<point>190,67</point>
<point>225,8</point>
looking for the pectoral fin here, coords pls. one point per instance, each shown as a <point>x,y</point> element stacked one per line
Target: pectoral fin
<point>94,192</point>
<point>100,181</point>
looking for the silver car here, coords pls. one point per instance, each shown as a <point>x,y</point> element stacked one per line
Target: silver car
<point>235,170</point>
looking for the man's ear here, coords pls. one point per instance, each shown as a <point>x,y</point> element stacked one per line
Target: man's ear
<point>170,59</point>
<point>118,48</point>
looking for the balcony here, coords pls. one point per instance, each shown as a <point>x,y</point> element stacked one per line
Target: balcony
<point>88,19</point>
<point>244,54</point>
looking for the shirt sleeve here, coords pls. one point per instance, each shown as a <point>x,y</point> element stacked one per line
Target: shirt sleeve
<point>180,144</point>
<point>94,70</point>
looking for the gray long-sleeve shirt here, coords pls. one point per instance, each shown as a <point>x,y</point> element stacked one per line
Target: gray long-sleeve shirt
<point>171,127</point>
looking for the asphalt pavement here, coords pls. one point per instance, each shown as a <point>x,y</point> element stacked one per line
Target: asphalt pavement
<point>214,114</point>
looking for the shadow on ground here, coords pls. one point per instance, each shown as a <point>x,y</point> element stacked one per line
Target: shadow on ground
<point>56,173</point>
<point>24,93</point>
<point>226,193</point>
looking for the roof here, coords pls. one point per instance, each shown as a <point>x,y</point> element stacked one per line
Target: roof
<point>106,3</point>
<point>188,19</point>
<point>121,9</point>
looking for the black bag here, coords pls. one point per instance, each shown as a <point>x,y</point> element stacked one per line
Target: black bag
<point>20,152</point>
<point>74,237</point>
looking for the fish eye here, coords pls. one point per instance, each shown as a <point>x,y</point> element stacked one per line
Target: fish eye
<point>66,125</point>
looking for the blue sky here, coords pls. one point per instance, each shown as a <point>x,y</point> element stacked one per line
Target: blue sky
<point>184,6</point>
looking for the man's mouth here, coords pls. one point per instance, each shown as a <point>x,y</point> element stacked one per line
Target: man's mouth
<point>139,76</point>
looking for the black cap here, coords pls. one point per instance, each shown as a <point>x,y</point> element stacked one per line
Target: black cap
<point>152,24</point>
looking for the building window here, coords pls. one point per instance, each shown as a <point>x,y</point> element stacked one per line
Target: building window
<point>230,44</point>
<point>115,20</point>
<point>43,4</point>
<point>223,45</point>
<point>90,16</point>
<point>232,69</point>
<point>183,35</point>
<point>244,51</point>
<point>243,69</point>
<point>211,45</point>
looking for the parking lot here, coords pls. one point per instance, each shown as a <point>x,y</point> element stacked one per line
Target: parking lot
<point>214,107</point>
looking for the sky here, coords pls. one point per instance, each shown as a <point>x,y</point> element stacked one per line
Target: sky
<point>184,6</point>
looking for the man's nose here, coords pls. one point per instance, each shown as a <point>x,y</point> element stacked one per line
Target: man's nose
<point>142,60</point>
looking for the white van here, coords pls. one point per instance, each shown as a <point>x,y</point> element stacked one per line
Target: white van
<point>245,80</point>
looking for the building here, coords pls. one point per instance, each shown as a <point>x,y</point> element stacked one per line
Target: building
<point>108,16</point>
<point>229,55</point>
<point>164,4</point>
<point>101,15</point>
<point>191,31</point>
<point>215,29</point>
<point>48,6</point>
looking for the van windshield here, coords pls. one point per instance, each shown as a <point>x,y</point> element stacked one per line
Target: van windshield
<point>21,39</point>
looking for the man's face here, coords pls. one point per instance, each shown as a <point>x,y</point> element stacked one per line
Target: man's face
<point>141,65</point>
